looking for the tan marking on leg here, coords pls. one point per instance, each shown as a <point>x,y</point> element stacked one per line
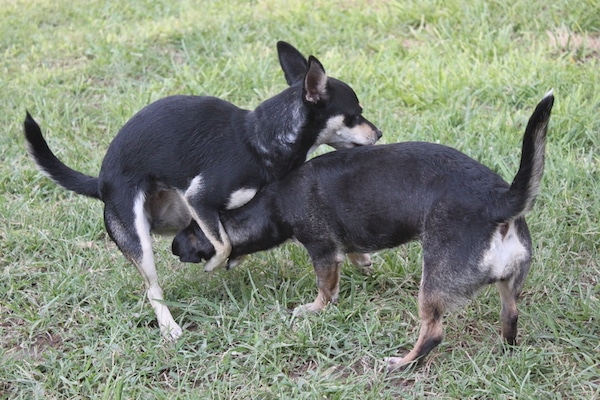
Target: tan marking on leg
<point>430,333</point>
<point>222,251</point>
<point>509,314</point>
<point>328,283</point>
<point>222,247</point>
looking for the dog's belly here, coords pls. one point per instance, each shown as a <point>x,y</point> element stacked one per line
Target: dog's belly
<point>375,245</point>
<point>168,210</point>
<point>361,240</point>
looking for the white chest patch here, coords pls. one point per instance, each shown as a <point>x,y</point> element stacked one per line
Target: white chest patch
<point>504,253</point>
<point>240,197</point>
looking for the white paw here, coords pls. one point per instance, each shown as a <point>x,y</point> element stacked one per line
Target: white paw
<point>396,363</point>
<point>232,263</point>
<point>305,309</point>
<point>214,263</point>
<point>171,333</point>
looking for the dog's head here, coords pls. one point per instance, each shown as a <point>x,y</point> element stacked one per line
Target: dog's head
<point>343,125</point>
<point>191,245</point>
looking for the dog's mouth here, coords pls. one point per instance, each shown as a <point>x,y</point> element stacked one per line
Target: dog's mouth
<point>345,145</point>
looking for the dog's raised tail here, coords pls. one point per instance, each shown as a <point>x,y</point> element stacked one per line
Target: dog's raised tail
<point>52,167</point>
<point>526,184</point>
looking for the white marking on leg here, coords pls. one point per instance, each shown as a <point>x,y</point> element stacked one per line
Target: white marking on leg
<point>222,251</point>
<point>169,329</point>
<point>240,197</point>
<point>195,187</point>
<point>221,244</point>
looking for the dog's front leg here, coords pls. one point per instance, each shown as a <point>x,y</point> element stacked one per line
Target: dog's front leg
<point>222,246</point>
<point>328,283</point>
<point>211,226</point>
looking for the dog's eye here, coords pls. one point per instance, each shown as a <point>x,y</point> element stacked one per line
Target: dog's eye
<point>353,120</point>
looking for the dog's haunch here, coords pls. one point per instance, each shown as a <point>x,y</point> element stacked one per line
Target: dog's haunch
<point>191,245</point>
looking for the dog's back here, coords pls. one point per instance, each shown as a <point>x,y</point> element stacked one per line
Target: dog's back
<point>173,138</point>
<point>386,195</point>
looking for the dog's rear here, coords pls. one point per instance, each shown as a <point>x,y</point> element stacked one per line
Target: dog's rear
<point>505,261</point>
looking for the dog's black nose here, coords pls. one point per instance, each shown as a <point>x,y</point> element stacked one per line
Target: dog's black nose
<point>379,134</point>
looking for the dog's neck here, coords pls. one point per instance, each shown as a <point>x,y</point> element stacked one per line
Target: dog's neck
<point>279,133</point>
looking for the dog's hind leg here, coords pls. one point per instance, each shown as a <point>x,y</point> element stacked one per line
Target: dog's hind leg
<point>431,310</point>
<point>131,232</point>
<point>509,314</point>
<point>362,262</point>
<point>510,290</point>
<point>436,292</point>
<point>328,282</point>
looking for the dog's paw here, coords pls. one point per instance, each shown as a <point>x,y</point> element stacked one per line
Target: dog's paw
<point>310,308</point>
<point>300,310</point>
<point>214,263</point>
<point>397,364</point>
<point>231,264</point>
<point>171,333</point>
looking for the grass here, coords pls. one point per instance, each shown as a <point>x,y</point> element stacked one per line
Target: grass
<point>73,320</point>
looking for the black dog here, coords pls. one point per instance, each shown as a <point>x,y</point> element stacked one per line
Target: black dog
<point>186,158</point>
<point>469,221</point>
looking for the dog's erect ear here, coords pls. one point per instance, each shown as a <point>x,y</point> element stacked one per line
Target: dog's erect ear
<point>315,82</point>
<point>293,63</point>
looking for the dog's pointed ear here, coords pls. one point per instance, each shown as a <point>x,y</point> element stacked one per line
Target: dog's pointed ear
<point>315,82</point>
<point>293,63</point>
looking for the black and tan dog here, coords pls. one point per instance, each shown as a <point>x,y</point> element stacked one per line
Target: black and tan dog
<point>186,158</point>
<point>469,221</point>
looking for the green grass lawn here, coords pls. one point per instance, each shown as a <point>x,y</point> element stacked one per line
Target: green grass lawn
<point>74,322</point>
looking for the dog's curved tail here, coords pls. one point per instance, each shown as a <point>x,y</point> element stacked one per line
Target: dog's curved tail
<point>52,167</point>
<point>525,187</point>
